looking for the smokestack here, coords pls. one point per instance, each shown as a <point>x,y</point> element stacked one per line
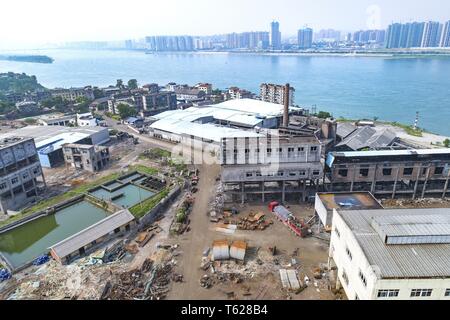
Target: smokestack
<point>286,105</point>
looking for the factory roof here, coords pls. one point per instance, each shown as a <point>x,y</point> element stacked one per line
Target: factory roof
<point>378,153</point>
<point>368,137</point>
<point>92,233</point>
<point>49,138</point>
<point>405,259</point>
<point>344,129</point>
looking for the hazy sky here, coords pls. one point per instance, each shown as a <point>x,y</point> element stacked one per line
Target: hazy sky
<point>38,21</point>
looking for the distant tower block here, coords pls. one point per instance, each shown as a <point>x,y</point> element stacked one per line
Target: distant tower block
<point>416,122</point>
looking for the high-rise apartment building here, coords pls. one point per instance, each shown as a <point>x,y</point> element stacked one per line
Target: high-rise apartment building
<point>445,38</point>
<point>431,34</point>
<point>275,93</point>
<point>305,38</point>
<point>275,35</point>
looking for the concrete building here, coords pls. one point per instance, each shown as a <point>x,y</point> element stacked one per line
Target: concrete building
<point>236,93</point>
<point>73,94</point>
<point>305,38</point>
<point>390,173</point>
<point>275,167</point>
<point>89,239</point>
<point>326,202</point>
<point>431,34</point>
<point>157,102</point>
<point>392,254</point>
<point>275,36</point>
<point>189,94</point>
<point>86,157</point>
<point>20,172</point>
<point>445,38</point>
<point>274,93</point>
<point>205,87</point>
<point>49,140</point>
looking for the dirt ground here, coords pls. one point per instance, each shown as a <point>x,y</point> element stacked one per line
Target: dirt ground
<point>262,283</point>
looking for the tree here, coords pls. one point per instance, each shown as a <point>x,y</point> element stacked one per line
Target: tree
<point>323,115</point>
<point>447,143</point>
<point>126,111</point>
<point>132,84</point>
<point>119,83</point>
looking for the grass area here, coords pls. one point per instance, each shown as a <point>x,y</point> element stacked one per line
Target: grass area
<point>143,169</point>
<point>155,153</point>
<point>408,129</point>
<point>141,209</point>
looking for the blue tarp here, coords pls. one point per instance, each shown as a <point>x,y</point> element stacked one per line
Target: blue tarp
<point>4,275</point>
<point>41,260</point>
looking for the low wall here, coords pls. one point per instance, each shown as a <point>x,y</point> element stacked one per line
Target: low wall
<point>156,212</point>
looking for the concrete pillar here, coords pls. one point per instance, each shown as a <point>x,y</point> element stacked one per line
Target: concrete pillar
<point>353,179</point>
<point>263,192</point>
<point>425,183</point>
<point>374,181</point>
<point>417,182</point>
<point>304,190</point>
<point>242,193</point>
<point>446,185</point>
<point>395,183</point>
<point>283,194</point>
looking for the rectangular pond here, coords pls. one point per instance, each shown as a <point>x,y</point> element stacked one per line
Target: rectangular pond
<point>126,197</point>
<point>26,242</point>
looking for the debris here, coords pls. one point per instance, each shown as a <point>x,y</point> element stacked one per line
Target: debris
<point>41,260</point>
<point>205,282</point>
<point>4,275</point>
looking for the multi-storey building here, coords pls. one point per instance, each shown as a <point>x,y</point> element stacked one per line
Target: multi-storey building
<point>391,173</point>
<point>157,102</point>
<point>236,93</point>
<point>445,38</point>
<point>391,254</point>
<point>205,87</point>
<point>275,35</point>
<point>283,167</point>
<point>431,34</point>
<point>305,38</point>
<point>275,93</point>
<point>73,94</point>
<point>86,157</point>
<point>20,172</point>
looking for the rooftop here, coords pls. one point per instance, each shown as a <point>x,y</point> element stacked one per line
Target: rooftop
<point>349,201</point>
<point>92,233</point>
<point>406,260</point>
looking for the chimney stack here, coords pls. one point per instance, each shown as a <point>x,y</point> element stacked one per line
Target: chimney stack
<point>286,105</point>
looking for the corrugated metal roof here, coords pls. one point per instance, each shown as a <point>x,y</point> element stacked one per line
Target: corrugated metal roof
<point>378,153</point>
<point>94,232</point>
<point>399,261</point>
<point>344,129</point>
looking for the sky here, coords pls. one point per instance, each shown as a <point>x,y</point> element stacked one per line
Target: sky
<point>32,22</point>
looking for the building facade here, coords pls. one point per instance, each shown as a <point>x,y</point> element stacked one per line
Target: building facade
<point>20,171</point>
<point>275,36</point>
<point>73,94</point>
<point>305,38</point>
<point>391,173</point>
<point>86,157</point>
<point>274,93</point>
<point>445,38</point>
<point>391,254</point>
<point>286,168</point>
<point>431,34</point>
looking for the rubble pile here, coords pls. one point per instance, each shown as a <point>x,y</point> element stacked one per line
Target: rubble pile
<point>254,221</point>
<point>181,222</point>
<point>417,203</point>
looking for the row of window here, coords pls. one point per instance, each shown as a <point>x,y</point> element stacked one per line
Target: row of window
<point>279,150</point>
<point>282,174</point>
<point>388,171</point>
<point>414,293</point>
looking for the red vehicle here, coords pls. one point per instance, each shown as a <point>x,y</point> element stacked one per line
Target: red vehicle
<point>284,215</point>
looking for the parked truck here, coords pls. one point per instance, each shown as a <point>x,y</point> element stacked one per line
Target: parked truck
<point>300,228</point>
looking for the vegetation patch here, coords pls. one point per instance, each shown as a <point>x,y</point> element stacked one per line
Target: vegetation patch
<point>143,169</point>
<point>141,209</point>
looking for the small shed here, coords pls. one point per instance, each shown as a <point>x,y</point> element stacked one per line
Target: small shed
<point>237,249</point>
<point>221,250</point>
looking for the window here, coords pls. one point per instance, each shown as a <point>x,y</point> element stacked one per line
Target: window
<point>408,171</point>
<point>363,278</point>
<point>424,170</point>
<point>290,149</point>
<point>349,254</point>
<point>439,170</point>
<point>302,173</point>
<point>316,172</point>
<point>421,292</point>
<point>3,186</point>
<point>388,293</point>
<point>14,180</point>
<point>247,150</point>
<point>344,276</point>
<point>269,150</point>
<point>258,174</point>
<point>249,174</point>
<point>280,150</point>
<point>447,292</point>
<point>343,172</point>
<point>301,149</point>
<point>313,149</point>
<point>280,173</point>
<point>337,232</point>
<point>363,172</point>
<point>387,172</point>
<point>292,174</point>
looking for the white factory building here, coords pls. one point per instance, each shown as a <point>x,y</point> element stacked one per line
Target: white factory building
<point>392,254</point>
<point>233,118</point>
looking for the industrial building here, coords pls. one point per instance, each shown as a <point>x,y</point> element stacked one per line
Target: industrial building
<point>390,173</point>
<point>20,173</point>
<point>233,118</point>
<point>86,157</point>
<point>90,238</point>
<point>272,167</point>
<point>326,202</point>
<point>49,140</point>
<point>392,254</point>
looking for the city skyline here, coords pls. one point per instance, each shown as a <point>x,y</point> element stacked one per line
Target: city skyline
<point>51,23</point>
